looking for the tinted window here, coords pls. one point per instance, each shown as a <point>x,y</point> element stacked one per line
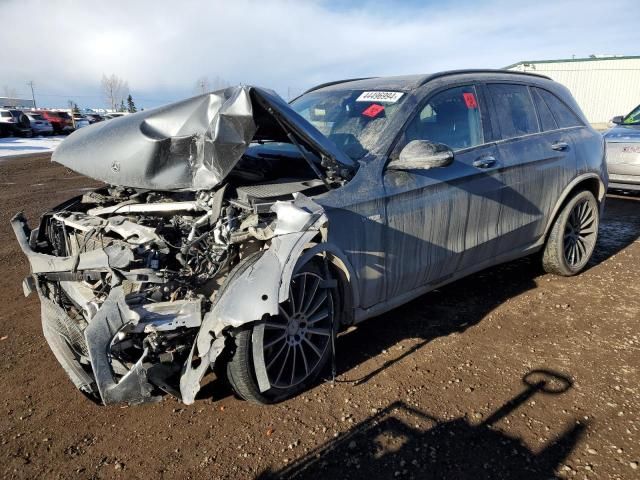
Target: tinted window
<point>514,110</point>
<point>563,114</point>
<point>451,117</point>
<point>547,121</point>
<point>5,114</point>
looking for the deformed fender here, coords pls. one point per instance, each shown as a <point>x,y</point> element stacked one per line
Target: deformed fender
<point>254,289</point>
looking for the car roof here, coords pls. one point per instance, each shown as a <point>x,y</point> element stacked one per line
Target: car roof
<point>407,83</point>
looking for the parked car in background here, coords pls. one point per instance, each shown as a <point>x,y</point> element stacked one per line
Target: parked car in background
<point>39,126</point>
<point>241,233</point>
<point>623,151</point>
<point>110,116</point>
<point>14,122</point>
<point>81,121</point>
<point>94,117</point>
<point>60,123</point>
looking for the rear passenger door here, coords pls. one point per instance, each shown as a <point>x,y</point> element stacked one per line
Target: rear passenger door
<point>537,161</point>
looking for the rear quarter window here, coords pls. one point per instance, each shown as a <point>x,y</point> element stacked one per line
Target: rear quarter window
<point>564,116</point>
<point>514,110</point>
<point>547,120</point>
<point>5,114</point>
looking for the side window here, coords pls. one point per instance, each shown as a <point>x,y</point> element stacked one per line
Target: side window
<point>451,117</point>
<point>514,110</point>
<point>563,114</point>
<point>544,113</point>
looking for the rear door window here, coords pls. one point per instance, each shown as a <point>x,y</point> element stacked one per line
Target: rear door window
<point>564,116</point>
<point>514,111</point>
<point>547,121</point>
<point>451,117</point>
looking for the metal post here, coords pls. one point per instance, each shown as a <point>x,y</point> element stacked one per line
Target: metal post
<point>33,97</point>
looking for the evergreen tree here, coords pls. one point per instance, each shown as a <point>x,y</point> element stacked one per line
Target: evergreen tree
<point>131,107</point>
<point>122,108</point>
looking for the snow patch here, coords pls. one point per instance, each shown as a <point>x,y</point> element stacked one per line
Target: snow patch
<point>11,146</point>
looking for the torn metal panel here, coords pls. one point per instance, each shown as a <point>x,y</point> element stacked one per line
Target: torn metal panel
<point>187,145</point>
<point>167,316</point>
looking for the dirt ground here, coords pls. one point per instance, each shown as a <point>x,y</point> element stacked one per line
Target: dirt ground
<point>510,373</point>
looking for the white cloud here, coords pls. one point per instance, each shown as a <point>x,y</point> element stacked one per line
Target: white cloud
<point>162,47</point>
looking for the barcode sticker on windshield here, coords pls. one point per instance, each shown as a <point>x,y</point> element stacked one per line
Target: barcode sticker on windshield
<point>383,97</point>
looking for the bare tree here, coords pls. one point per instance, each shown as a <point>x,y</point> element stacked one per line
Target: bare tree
<point>10,92</point>
<point>204,85</point>
<point>115,90</point>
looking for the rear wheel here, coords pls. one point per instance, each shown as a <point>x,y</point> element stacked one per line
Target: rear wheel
<point>573,236</point>
<point>296,344</point>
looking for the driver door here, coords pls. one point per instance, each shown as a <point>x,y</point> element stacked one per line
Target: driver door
<point>443,220</point>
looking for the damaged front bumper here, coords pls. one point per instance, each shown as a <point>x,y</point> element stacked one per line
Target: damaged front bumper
<point>84,353</point>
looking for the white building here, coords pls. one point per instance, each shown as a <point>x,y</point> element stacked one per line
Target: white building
<point>15,102</point>
<point>604,86</point>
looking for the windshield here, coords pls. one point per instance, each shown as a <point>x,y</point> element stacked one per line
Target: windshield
<point>352,119</point>
<point>633,118</point>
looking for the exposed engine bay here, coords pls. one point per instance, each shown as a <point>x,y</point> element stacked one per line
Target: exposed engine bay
<point>128,276</point>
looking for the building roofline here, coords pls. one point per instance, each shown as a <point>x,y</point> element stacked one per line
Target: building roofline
<point>565,60</point>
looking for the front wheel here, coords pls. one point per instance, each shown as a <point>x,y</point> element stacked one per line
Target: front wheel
<point>296,344</point>
<point>573,236</point>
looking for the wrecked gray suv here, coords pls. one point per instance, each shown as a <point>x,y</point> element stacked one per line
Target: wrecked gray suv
<point>238,232</point>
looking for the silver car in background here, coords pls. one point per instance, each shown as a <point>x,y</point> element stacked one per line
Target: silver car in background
<point>39,126</point>
<point>623,151</point>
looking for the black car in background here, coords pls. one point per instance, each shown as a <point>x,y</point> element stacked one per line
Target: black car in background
<point>14,122</point>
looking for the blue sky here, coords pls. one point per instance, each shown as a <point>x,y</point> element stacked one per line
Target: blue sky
<point>163,47</point>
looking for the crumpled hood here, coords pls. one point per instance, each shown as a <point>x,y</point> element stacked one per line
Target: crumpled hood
<point>623,133</point>
<point>188,145</point>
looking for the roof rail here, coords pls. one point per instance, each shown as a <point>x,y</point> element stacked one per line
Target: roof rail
<point>335,82</point>
<point>481,70</point>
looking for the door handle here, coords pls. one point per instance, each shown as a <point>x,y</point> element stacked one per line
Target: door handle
<point>560,146</point>
<point>485,162</point>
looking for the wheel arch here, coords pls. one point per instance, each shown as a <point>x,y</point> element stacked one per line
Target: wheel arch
<point>588,181</point>
<point>346,277</point>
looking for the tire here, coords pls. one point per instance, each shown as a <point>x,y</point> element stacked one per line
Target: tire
<point>294,356</point>
<point>573,236</point>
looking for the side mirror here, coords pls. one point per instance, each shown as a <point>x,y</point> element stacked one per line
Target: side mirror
<point>617,119</point>
<point>422,155</point>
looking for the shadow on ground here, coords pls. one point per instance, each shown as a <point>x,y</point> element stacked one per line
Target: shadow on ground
<point>403,442</point>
